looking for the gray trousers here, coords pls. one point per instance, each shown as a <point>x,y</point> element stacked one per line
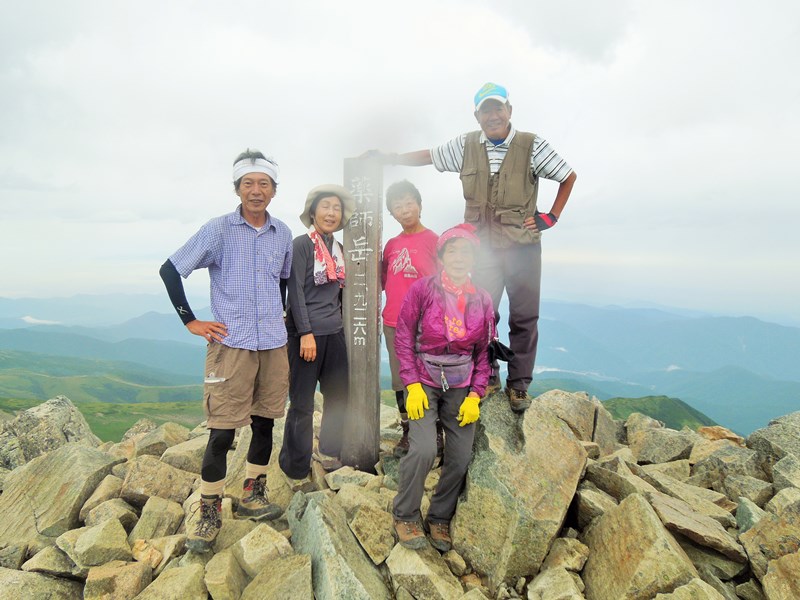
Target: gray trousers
<point>518,270</point>
<point>415,466</point>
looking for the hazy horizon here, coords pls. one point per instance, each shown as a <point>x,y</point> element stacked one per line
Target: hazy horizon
<point>197,296</point>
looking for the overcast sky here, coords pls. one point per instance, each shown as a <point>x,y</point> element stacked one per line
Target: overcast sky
<point>119,123</point>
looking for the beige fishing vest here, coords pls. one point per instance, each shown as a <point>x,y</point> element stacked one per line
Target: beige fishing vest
<point>498,204</point>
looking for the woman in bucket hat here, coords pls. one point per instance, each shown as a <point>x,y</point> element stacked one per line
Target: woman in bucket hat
<point>317,351</point>
<point>441,342</point>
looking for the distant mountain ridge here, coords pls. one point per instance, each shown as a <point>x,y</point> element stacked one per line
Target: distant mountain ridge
<point>626,342</point>
<point>741,371</point>
<point>177,357</point>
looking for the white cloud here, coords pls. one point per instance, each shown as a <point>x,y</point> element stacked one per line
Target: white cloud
<point>120,123</point>
<point>34,321</point>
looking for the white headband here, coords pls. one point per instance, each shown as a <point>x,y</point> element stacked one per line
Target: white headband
<point>259,165</point>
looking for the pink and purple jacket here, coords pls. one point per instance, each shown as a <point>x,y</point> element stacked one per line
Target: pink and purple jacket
<point>421,327</point>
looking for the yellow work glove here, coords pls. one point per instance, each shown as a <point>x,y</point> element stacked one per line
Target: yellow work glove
<point>417,400</point>
<point>469,411</point>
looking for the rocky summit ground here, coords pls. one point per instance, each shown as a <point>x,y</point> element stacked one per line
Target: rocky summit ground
<point>561,503</point>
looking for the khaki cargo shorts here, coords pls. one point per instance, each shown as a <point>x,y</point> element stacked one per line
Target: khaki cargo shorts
<point>240,383</point>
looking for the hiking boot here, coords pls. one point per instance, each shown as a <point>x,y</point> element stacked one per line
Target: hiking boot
<point>439,438</point>
<point>329,463</point>
<point>440,535</point>
<point>254,503</point>
<point>401,449</point>
<point>518,399</point>
<point>409,534</point>
<point>305,485</point>
<point>207,526</point>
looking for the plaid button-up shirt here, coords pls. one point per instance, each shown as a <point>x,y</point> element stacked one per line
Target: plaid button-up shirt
<point>245,266</point>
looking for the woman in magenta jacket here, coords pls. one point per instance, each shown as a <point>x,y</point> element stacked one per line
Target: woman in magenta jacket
<point>442,340</point>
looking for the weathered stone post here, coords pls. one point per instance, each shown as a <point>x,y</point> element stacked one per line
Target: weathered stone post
<point>361,305</point>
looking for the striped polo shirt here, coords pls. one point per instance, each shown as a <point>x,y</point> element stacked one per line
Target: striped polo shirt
<point>545,162</point>
<point>245,266</point>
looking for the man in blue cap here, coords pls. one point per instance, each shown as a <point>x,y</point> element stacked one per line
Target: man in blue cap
<point>500,169</point>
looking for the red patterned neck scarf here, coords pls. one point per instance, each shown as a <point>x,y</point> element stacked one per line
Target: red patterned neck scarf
<point>327,266</point>
<point>458,291</point>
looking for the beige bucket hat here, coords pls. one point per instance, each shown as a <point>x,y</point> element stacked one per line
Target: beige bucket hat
<point>330,189</point>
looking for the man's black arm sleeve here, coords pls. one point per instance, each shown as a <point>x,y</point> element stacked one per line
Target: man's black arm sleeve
<point>177,295</point>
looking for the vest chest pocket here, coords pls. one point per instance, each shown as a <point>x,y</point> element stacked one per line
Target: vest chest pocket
<point>469,181</point>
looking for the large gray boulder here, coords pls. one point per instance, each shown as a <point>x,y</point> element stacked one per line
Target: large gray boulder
<point>523,476</point>
<point>43,498</point>
<point>225,578</point>
<point>590,503</point>
<point>43,428</point>
<point>256,550</point>
<point>660,445</point>
<point>116,508</point>
<point>374,530</point>
<point>757,491</point>
<point>710,561</point>
<point>692,495</point>
<point>107,490</point>
<point>288,578</point>
<point>786,473</point>
<point>678,516</point>
<point>101,544</point>
<point>147,476</point>
<point>639,422</point>
<point>782,581</point>
<point>53,561</point>
<point>12,555</point>
<point>696,589</point>
<point>780,438</point>
<point>340,568</point>
<point>587,418</point>
<point>423,573</point>
<point>574,408</point>
<point>632,556</point>
<point>556,584</point>
<point>771,538</point>
<point>160,517</point>
<point>179,583</point>
<point>19,585</point>
<point>188,455</point>
<point>117,579</point>
<point>729,460</point>
<point>156,442</point>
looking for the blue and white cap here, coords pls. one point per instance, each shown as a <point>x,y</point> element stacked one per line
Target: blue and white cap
<point>490,91</point>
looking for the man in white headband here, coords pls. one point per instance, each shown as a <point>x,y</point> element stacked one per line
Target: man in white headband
<point>248,254</point>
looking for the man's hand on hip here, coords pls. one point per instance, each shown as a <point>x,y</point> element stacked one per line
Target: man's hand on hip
<point>540,221</point>
<point>210,330</point>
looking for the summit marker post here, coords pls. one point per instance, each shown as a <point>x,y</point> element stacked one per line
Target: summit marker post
<point>361,304</point>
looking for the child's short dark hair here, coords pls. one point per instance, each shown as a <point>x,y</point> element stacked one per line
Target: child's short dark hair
<point>401,189</point>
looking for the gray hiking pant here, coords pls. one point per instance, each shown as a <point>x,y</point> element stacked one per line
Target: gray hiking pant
<point>518,270</point>
<point>415,466</point>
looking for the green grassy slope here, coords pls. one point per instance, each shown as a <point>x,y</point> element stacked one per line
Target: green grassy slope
<point>675,413</point>
<point>110,421</point>
<point>46,364</point>
<point>84,388</point>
